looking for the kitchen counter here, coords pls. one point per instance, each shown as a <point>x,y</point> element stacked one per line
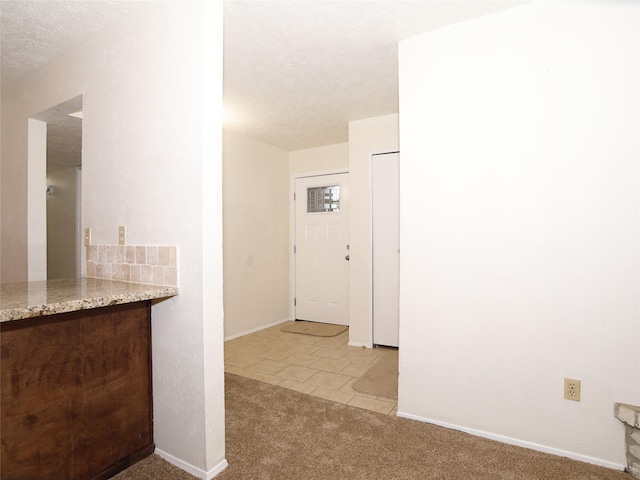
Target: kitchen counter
<point>34,299</point>
<point>76,384</point>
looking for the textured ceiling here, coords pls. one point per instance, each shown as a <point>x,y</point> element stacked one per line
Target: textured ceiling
<point>295,72</point>
<point>33,33</point>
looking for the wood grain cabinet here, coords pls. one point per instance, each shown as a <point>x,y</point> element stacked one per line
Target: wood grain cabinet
<point>76,393</point>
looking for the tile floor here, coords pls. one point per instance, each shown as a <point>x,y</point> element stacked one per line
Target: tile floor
<point>324,367</point>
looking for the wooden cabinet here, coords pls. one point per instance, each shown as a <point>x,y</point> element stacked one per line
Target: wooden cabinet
<point>76,393</point>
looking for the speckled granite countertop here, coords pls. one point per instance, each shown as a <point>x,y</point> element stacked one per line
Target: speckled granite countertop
<point>35,299</point>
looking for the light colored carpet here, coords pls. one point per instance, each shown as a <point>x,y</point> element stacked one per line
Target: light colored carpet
<point>279,434</point>
<point>313,328</point>
<point>382,378</point>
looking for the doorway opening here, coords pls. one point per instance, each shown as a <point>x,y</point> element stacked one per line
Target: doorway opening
<point>55,142</point>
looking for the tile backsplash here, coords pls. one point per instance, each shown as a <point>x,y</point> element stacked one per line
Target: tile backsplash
<point>155,265</point>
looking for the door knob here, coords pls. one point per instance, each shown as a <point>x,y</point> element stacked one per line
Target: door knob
<point>347,257</point>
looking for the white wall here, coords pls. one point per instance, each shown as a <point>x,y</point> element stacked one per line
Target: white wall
<point>61,224</point>
<point>256,248</point>
<point>520,225</point>
<point>152,161</point>
<point>37,212</point>
<point>319,159</point>
<point>366,137</point>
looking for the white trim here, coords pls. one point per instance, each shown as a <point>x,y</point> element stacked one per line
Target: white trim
<point>257,329</point>
<point>357,344</point>
<point>517,442</point>
<point>195,471</point>
<point>292,229</point>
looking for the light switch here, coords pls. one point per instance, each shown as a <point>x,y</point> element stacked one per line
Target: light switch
<point>122,234</point>
<point>87,237</point>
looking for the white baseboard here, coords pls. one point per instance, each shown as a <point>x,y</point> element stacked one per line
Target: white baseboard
<point>187,467</point>
<point>257,329</point>
<point>518,442</point>
<point>358,344</point>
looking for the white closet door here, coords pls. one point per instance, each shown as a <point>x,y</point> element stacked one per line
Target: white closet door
<point>385,170</point>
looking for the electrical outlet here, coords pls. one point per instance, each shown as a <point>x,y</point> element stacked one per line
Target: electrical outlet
<point>87,237</point>
<point>122,235</point>
<point>572,389</point>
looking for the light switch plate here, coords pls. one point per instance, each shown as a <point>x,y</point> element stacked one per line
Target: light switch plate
<point>122,235</point>
<point>87,237</point>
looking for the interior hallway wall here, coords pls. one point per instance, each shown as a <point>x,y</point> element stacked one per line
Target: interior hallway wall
<point>520,225</point>
<point>61,224</point>
<point>366,137</point>
<point>152,160</point>
<point>319,159</point>
<point>256,251</point>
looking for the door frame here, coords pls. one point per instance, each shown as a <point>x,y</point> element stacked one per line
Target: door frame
<point>292,229</point>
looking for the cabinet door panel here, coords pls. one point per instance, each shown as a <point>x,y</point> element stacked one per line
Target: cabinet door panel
<point>76,392</point>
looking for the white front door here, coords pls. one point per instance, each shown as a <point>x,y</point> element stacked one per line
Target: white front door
<point>322,248</point>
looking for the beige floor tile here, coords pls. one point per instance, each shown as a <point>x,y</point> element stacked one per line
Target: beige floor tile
<point>329,365</point>
<point>298,386</point>
<point>334,353</point>
<point>243,360</point>
<point>333,395</point>
<point>298,373</point>
<point>328,380</point>
<point>268,366</point>
<point>371,404</point>
<point>235,370</point>
<point>359,358</point>
<point>325,367</point>
<point>275,353</point>
<point>355,370</point>
<point>301,359</point>
<point>252,349</point>
<point>304,348</point>
<point>333,341</point>
<point>263,377</point>
<point>265,335</point>
<point>281,344</point>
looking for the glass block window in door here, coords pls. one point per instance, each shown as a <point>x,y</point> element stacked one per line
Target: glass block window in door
<point>323,199</point>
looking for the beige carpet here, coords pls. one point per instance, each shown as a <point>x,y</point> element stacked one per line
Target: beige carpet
<point>382,378</point>
<point>313,328</point>
<point>153,468</point>
<point>275,433</point>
